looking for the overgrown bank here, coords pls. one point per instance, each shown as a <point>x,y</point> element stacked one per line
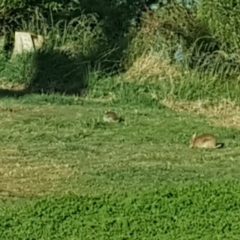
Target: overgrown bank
<point>87,42</point>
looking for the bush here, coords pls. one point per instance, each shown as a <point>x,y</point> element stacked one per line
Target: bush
<point>222,17</point>
<point>167,36</point>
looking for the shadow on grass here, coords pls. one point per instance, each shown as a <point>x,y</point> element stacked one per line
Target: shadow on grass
<point>56,72</point>
<point>48,72</point>
<point>12,93</point>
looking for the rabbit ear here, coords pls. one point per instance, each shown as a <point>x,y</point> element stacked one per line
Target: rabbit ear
<point>194,135</point>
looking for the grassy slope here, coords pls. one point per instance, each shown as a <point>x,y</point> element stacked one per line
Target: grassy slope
<point>63,148</point>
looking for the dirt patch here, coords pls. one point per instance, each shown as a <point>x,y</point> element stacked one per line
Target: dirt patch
<point>31,178</point>
<point>225,113</point>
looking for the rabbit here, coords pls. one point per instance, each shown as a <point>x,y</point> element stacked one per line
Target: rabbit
<point>205,140</point>
<point>111,116</point>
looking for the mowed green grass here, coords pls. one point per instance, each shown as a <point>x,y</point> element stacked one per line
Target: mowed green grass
<point>64,174</point>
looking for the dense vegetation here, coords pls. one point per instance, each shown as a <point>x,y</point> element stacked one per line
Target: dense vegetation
<point>144,40</point>
<point>165,213</point>
<point>65,174</point>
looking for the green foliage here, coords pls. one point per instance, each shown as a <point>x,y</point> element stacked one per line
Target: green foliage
<point>18,70</point>
<point>191,87</point>
<point>87,37</point>
<point>161,32</point>
<point>88,32</point>
<point>222,18</point>
<point>200,210</point>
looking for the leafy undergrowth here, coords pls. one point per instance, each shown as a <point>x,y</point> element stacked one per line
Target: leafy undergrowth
<point>196,211</point>
<point>135,180</point>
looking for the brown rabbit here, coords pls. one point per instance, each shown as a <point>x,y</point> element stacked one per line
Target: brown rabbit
<point>111,116</point>
<point>205,140</point>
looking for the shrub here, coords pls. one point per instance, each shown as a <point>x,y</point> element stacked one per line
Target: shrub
<point>166,37</point>
<point>222,17</point>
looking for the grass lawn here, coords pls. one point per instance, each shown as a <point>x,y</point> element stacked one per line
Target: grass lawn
<point>64,174</point>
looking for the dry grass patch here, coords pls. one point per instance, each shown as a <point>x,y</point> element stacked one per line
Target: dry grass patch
<point>22,179</point>
<point>6,85</point>
<point>225,113</point>
<point>150,66</point>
